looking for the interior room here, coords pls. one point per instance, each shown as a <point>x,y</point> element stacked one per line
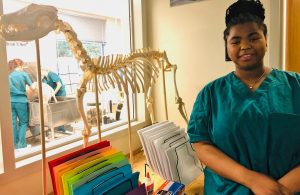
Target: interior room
<point>173,50</point>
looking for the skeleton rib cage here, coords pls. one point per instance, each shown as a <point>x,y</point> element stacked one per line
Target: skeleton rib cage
<point>120,70</point>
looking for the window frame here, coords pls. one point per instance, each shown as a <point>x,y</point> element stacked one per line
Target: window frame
<point>57,38</point>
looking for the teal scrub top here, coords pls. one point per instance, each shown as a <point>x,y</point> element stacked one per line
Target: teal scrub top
<point>260,130</point>
<point>51,80</point>
<point>17,83</point>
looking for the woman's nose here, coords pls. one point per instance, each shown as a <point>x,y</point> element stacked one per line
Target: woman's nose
<point>245,45</point>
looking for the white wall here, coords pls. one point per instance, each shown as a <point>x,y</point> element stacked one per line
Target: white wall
<point>192,36</point>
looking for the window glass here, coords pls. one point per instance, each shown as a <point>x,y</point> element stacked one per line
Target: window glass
<point>101,33</point>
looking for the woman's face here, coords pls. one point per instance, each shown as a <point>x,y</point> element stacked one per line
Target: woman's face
<point>246,46</point>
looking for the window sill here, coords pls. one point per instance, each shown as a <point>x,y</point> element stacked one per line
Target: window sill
<point>53,153</point>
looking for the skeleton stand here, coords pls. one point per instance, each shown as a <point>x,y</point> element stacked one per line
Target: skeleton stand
<point>129,130</point>
<point>42,134</point>
<point>164,89</point>
<point>97,107</point>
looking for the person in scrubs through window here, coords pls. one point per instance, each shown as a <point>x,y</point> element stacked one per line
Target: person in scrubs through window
<point>55,82</point>
<point>245,126</point>
<point>18,79</point>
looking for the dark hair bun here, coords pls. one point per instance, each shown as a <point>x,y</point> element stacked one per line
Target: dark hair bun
<point>252,7</point>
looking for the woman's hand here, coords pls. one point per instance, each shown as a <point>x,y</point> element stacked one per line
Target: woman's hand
<point>226,167</point>
<point>261,184</point>
<point>291,180</point>
<point>285,190</point>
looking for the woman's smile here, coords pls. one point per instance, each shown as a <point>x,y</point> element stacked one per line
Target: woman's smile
<point>246,57</point>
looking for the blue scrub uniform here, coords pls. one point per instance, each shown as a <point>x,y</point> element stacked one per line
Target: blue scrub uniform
<point>51,80</point>
<point>19,107</point>
<point>260,130</point>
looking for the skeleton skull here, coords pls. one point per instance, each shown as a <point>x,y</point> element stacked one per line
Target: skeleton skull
<point>30,23</point>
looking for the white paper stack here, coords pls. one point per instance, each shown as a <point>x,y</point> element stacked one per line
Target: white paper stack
<point>169,153</point>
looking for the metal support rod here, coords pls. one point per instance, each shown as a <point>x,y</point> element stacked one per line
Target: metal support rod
<point>97,107</point>
<point>129,131</point>
<point>39,80</point>
<point>164,89</point>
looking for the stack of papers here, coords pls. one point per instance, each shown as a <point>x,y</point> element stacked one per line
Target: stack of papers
<point>94,170</point>
<point>169,153</point>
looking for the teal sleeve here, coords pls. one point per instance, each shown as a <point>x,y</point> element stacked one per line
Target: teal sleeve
<point>53,77</point>
<point>28,80</point>
<point>198,127</point>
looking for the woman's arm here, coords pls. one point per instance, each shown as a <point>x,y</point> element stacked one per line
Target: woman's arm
<point>226,167</point>
<point>291,180</point>
<point>58,86</point>
<point>33,86</point>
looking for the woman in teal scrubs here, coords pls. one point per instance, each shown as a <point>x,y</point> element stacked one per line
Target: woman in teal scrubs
<point>55,82</point>
<point>18,98</point>
<point>245,126</point>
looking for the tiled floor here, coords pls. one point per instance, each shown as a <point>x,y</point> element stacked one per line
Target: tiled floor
<point>195,188</point>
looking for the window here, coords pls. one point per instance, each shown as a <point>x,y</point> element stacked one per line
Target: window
<point>102,33</point>
<point>67,66</point>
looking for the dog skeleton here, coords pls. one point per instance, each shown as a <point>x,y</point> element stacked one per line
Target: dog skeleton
<point>35,21</point>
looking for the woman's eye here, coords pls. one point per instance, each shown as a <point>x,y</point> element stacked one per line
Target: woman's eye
<point>235,42</point>
<point>254,39</point>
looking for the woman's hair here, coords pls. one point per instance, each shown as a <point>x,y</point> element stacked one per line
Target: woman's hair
<point>13,64</point>
<point>244,11</point>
